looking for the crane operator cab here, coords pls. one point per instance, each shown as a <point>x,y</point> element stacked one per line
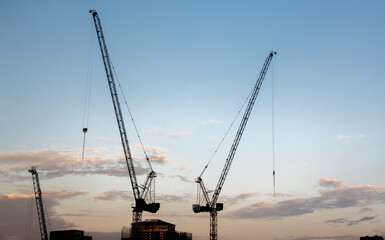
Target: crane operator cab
<point>198,208</point>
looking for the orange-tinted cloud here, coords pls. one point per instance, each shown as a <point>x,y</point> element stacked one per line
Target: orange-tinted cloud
<point>17,208</point>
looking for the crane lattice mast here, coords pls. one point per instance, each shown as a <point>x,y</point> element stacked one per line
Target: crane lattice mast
<point>39,203</point>
<point>211,205</point>
<point>140,197</point>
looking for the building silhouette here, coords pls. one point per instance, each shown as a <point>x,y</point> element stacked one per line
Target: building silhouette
<point>68,235</point>
<point>372,238</point>
<point>151,229</point>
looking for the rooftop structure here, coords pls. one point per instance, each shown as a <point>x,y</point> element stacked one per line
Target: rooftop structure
<point>156,229</point>
<point>68,235</point>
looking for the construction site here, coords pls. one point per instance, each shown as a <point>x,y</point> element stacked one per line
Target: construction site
<point>163,172</point>
<point>144,194</point>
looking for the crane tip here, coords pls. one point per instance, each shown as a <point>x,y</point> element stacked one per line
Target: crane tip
<point>93,12</point>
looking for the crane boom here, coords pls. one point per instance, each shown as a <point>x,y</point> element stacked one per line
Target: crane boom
<point>242,126</point>
<point>140,204</point>
<point>212,206</point>
<point>39,203</point>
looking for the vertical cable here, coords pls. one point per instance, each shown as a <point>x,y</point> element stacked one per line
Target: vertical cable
<point>28,221</point>
<point>87,98</point>
<point>272,113</point>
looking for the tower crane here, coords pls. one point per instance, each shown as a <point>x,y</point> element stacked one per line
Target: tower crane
<point>211,205</point>
<point>142,192</point>
<point>39,203</point>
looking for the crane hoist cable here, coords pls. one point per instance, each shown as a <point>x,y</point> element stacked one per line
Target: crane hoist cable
<point>28,218</point>
<point>212,206</point>
<point>273,122</point>
<point>227,132</point>
<point>132,118</point>
<point>142,192</point>
<point>87,97</point>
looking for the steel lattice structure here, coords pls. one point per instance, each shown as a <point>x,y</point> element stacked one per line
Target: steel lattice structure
<point>211,205</point>
<point>140,202</point>
<point>39,203</point>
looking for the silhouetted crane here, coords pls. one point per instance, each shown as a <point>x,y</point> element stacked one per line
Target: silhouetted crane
<point>146,193</point>
<point>211,205</point>
<point>39,203</point>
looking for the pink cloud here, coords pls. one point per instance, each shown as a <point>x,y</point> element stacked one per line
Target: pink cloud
<point>53,164</point>
<point>333,183</point>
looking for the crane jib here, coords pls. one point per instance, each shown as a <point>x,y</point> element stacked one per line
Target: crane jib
<point>212,206</point>
<point>140,203</point>
<point>39,203</point>
<point>241,129</point>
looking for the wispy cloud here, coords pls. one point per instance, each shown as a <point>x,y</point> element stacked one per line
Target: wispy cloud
<point>174,198</point>
<point>114,195</point>
<point>350,137</point>
<point>344,237</point>
<point>180,177</point>
<point>350,222</point>
<point>181,166</point>
<point>53,163</point>
<point>230,200</point>
<point>366,209</point>
<point>336,198</point>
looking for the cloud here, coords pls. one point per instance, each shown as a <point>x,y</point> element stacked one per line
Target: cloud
<point>338,220</point>
<point>174,198</point>
<point>181,166</point>
<point>155,154</point>
<point>114,195</point>
<point>53,164</point>
<point>364,219</point>
<point>350,222</point>
<point>346,237</point>
<point>336,198</point>
<point>232,200</point>
<point>366,209</point>
<point>17,209</point>
<point>182,178</point>
<point>355,137</point>
<point>330,183</point>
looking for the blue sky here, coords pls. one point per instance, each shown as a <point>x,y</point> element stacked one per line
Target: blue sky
<point>186,68</point>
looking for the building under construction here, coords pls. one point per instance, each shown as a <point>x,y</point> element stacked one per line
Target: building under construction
<point>156,229</point>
